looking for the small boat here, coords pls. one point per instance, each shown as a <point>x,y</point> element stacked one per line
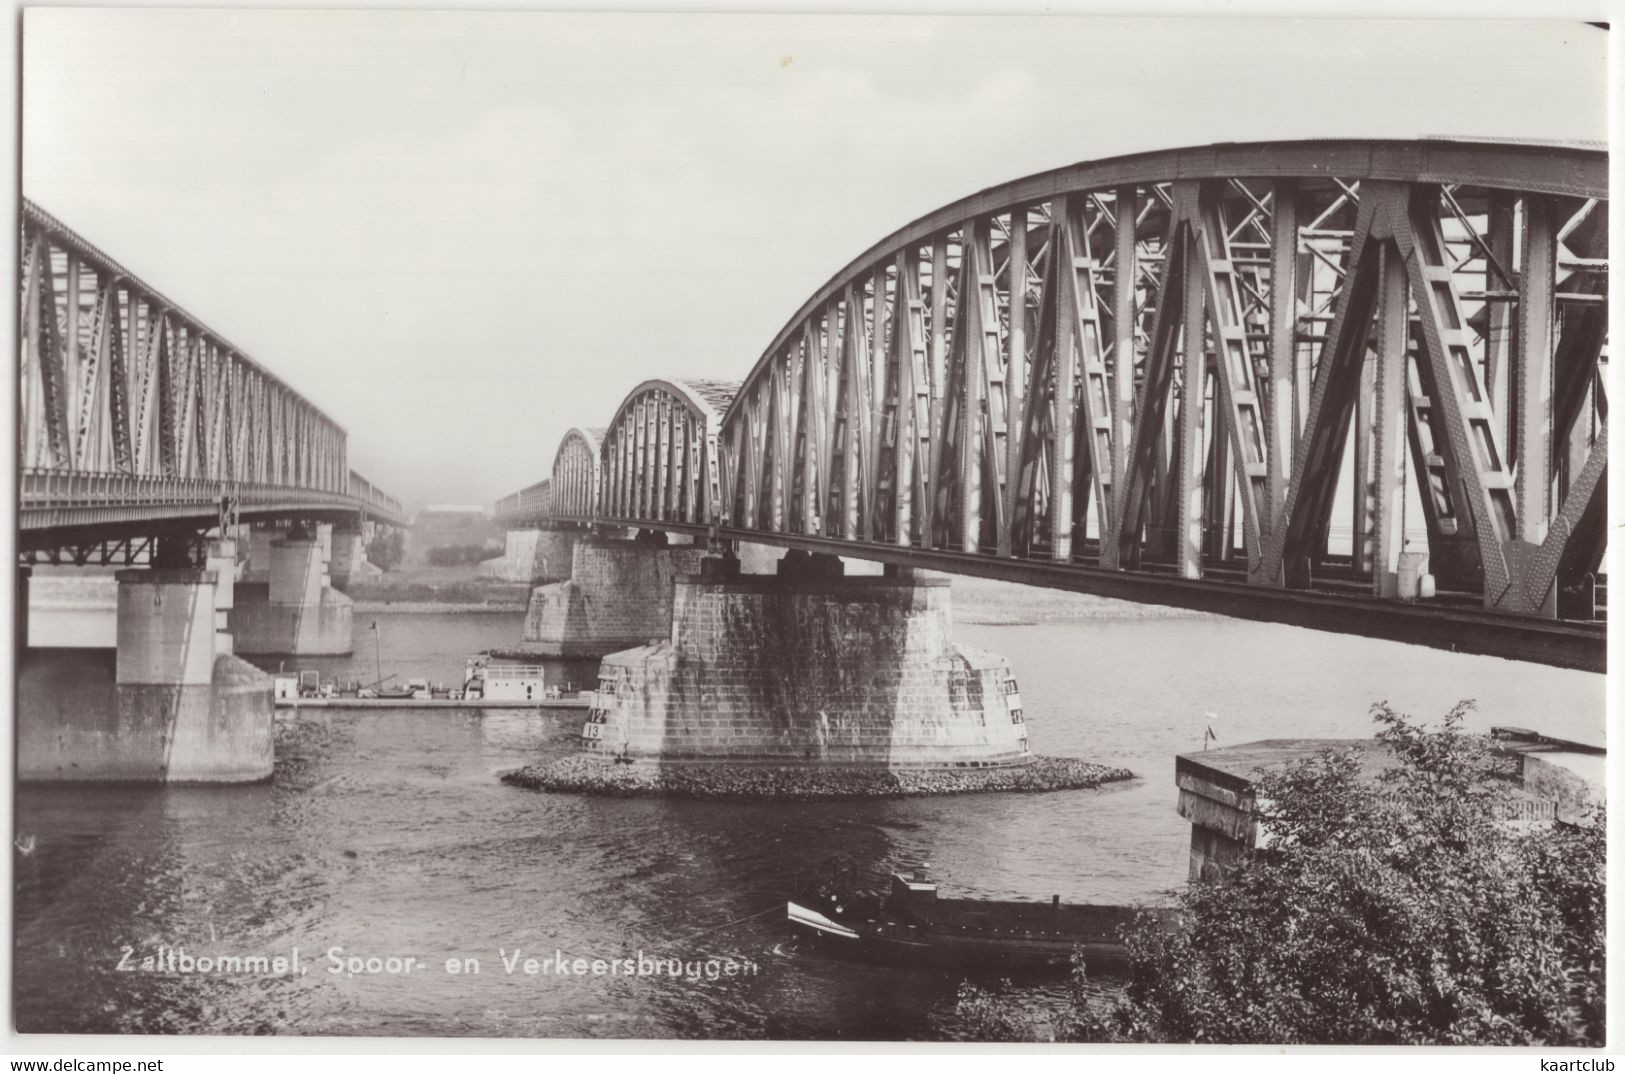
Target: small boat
<point>506,682</point>
<point>912,925</point>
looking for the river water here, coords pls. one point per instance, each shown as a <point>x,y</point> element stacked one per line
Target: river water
<point>387,834</point>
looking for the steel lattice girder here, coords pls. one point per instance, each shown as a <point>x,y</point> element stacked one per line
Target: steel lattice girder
<point>1194,360</point>
<point>118,381</point>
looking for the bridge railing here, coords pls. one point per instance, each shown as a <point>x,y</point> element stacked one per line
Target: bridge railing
<point>374,499</point>
<point>46,490</point>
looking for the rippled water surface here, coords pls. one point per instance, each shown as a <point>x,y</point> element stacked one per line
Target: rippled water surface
<point>387,833</point>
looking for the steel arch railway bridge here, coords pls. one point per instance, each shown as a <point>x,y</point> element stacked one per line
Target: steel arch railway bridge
<point>139,421</point>
<point>1352,385</point>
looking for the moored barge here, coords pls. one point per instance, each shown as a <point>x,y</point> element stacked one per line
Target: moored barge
<point>485,686</point>
<point>913,925</point>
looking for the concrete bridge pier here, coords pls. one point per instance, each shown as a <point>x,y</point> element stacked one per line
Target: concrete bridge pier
<point>296,612</point>
<point>166,706</point>
<point>809,667</point>
<point>323,532</point>
<point>619,595</point>
<point>258,568</point>
<point>347,554</point>
<point>19,608</point>
<point>222,560</point>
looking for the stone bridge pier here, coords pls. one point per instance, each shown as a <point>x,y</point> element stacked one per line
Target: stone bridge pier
<point>619,595</point>
<point>809,667</point>
<point>535,556</point>
<point>170,704</point>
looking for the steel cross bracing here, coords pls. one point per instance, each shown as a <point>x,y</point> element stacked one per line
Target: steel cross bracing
<point>1295,368</point>
<point>134,413</point>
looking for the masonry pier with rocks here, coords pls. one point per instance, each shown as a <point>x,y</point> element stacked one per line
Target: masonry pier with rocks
<point>810,684</point>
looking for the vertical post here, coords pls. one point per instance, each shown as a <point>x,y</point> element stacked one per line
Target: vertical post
<point>671,467</point>
<point>1303,367</point>
<point>834,400</point>
<point>134,362</point>
<point>913,419</point>
<point>939,336</point>
<point>778,487</point>
<point>1360,479</point>
<point>1062,470</point>
<point>634,469</point>
<point>1218,501</point>
<point>1122,368</point>
<point>1015,377</point>
<point>875,521</point>
<point>20,608</point>
<point>1193,392</point>
<point>939,324</point>
<point>1388,425</point>
<point>968,345</point>
<point>1499,342</point>
<point>33,377</point>
<point>1534,378</point>
<point>70,363</point>
<point>812,425</point>
<point>1282,428</point>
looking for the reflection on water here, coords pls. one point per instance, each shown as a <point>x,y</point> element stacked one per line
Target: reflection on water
<point>386,833</point>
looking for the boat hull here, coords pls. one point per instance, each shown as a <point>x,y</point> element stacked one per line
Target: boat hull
<point>953,946</point>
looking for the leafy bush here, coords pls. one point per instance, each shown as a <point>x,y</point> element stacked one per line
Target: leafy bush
<point>1400,912</point>
<point>386,549</point>
<point>457,555</point>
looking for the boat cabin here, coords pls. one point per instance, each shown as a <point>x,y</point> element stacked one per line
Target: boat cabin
<point>515,682</point>
<point>915,896</point>
<point>505,682</point>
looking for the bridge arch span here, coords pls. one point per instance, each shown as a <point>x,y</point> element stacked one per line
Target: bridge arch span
<point>1008,376</point>
<point>661,456</point>
<point>577,474</point>
<point>1395,421</point>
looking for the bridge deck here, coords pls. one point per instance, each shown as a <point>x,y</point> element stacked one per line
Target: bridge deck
<point>1438,625</point>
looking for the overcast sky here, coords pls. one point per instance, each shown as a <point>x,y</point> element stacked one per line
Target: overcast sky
<point>460,234</point>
